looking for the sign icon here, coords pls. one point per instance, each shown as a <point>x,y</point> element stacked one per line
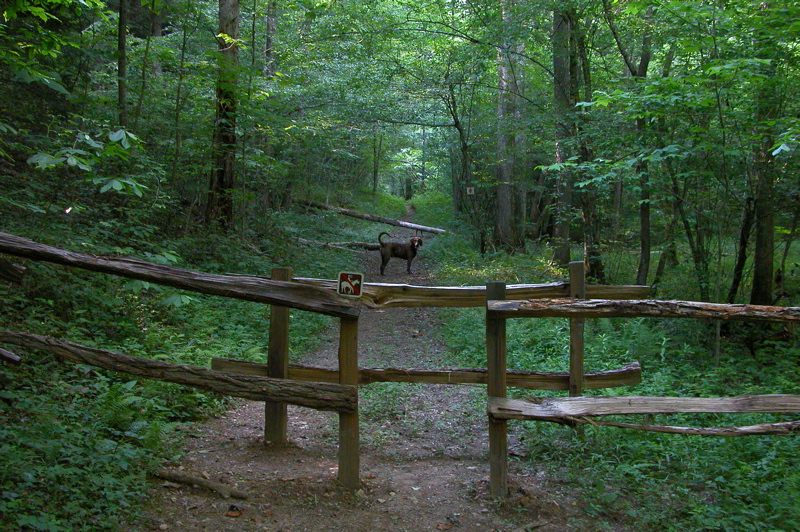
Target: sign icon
<point>349,284</point>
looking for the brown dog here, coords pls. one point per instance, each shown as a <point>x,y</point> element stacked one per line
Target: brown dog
<point>400,250</point>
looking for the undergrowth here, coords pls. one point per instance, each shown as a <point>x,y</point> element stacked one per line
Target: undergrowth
<point>76,442</point>
<point>646,481</point>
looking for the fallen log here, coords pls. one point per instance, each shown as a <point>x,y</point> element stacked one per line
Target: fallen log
<point>369,246</point>
<point>247,287</point>
<point>182,478</point>
<point>372,217</point>
<point>628,375</point>
<point>601,308</point>
<point>320,396</point>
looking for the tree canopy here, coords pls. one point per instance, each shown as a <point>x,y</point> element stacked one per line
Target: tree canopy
<point>670,124</point>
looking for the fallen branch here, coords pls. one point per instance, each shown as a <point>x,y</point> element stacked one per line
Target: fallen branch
<point>369,246</point>
<point>372,217</point>
<point>182,478</point>
<point>320,396</point>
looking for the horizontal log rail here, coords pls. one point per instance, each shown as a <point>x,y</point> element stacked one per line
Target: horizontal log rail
<point>553,407</point>
<point>247,287</point>
<point>384,295</point>
<point>628,375</point>
<point>315,295</point>
<point>575,411</point>
<point>602,308</point>
<point>320,396</point>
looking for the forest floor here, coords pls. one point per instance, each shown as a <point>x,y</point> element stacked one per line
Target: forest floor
<point>424,451</point>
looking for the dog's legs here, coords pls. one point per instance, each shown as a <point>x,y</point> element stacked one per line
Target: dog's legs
<point>384,261</point>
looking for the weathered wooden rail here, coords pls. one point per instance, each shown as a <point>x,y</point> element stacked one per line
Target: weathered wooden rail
<point>320,396</point>
<point>277,383</point>
<point>576,410</point>
<point>274,383</point>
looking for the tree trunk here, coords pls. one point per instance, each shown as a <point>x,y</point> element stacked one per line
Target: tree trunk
<point>377,154</point>
<point>763,254</point>
<point>641,168</point>
<point>741,252</point>
<point>271,20</point>
<point>122,63</point>
<point>506,233</point>
<point>564,133</point>
<point>219,206</point>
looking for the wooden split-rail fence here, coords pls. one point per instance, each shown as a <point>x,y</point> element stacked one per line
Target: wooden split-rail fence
<point>278,383</point>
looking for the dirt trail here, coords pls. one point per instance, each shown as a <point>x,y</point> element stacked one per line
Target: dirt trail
<point>424,450</point>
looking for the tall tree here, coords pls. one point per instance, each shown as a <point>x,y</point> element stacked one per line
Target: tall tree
<point>768,104</point>
<point>122,63</point>
<point>641,166</point>
<point>271,24</point>
<point>507,234</point>
<point>564,132</point>
<point>219,206</point>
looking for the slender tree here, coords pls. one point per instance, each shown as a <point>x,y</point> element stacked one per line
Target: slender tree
<point>122,63</point>
<point>219,206</point>
<point>564,132</point>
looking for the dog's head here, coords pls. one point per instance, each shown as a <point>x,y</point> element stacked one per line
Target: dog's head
<point>416,242</point>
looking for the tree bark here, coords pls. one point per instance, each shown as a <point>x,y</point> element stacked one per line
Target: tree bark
<point>219,206</point>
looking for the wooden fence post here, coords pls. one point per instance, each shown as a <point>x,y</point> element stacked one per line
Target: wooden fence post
<point>496,354</point>
<point>577,290</point>
<point>275,418</point>
<point>348,422</point>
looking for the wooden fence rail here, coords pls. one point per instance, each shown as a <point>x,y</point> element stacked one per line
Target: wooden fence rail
<point>315,295</point>
<point>628,375</point>
<point>576,410</point>
<point>321,396</point>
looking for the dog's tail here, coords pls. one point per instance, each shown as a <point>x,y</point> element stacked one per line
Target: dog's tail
<point>380,237</point>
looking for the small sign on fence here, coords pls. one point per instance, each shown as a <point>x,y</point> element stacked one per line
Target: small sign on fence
<point>349,284</point>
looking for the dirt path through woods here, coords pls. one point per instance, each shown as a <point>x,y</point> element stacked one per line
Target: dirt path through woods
<point>424,450</point>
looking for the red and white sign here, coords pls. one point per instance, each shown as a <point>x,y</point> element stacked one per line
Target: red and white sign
<point>349,284</point>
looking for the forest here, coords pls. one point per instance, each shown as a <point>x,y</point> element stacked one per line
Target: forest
<point>654,140</point>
